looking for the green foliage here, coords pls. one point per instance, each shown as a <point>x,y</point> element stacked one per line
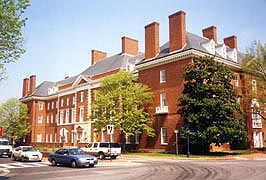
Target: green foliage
<point>14,118</point>
<point>254,64</point>
<point>121,102</point>
<point>209,105</point>
<point>11,23</point>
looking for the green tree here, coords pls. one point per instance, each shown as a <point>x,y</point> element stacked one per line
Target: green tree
<point>11,23</point>
<point>209,105</point>
<point>121,102</point>
<point>254,65</point>
<point>14,118</point>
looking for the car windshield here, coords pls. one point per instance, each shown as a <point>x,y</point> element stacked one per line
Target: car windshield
<point>4,143</point>
<point>25,149</point>
<point>76,151</point>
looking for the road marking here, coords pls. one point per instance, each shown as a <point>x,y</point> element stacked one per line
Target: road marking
<point>24,165</point>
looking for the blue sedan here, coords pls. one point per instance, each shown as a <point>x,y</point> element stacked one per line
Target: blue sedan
<point>74,157</point>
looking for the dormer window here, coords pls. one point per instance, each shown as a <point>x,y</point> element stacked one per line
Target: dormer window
<point>209,46</point>
<point>232,54</point>
<point>221,50</point>
<point>52,90</point>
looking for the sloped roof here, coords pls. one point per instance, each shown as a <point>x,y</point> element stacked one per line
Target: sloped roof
<point>121,61</point>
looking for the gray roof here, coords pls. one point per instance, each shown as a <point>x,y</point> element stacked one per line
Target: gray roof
<point>121,61</point>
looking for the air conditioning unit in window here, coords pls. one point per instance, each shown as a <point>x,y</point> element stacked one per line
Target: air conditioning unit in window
<point>162,110</point>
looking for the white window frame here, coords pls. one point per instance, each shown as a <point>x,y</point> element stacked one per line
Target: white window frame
<point>61,117</point>
<point>137,137</point>
<point>255,115</point>
<point>236,82</point>
<point>62,102</point>
<point>127,139</point>
<point>163,101</point>
<point>51,138</point>
<point>81,96</point>
<point>48,106</point>
<point>47,119</point>
<point>46,138</point>
<point>52,118</point>
<point>74,100</point>
<point>40,119</point>
<point>254,85</point>
<point>164,136</point>
<point>73,116</point>
<point>39,137</point>
<point>52,105</point>
<point>81,114</point>
<point>67,117</point>
<point>67,102</point>
<point>162,76</point>
<point>40,106</point>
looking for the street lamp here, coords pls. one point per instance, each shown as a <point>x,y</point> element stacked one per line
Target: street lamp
<point>176,139</point>
<point>188,152</point>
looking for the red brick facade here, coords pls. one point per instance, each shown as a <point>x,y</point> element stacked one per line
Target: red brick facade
<point>59,114</point>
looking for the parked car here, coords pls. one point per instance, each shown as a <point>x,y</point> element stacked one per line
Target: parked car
<point>103,149</point>
<point>5,148</point>
<point>74,157</point>
<point>26,153</point>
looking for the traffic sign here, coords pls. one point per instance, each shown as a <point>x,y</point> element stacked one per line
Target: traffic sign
<point>110,129</point>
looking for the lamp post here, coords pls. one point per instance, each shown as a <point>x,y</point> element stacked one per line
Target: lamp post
<point>176,140</point>
<point>188,152</point>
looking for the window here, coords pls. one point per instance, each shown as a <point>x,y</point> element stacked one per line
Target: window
<point>164,140</point>
<point>55,137</point>
<point>254,86</point>
<point>41,106</point>
<point>236,82</point>
<point>81,96</point>
<point>46,138</point>
<point>81,113</point>
<point>163,100</point>
<point>61,117</point>
<point>39,138</point>
<point>137,137</point>
<point>40,119</point>
<point>127,139</point>
<point>67,116</point>
<point>62,102</point>
<point>47,119</point>
<point>255,116</point>
<point>52,119</point>
<point>67,102</point>
<point>162,76</point>
<point>48,106</point>
<point>52,105</point>
<point>51,138</point>
<point>73,100</point>
<point>73,116</point>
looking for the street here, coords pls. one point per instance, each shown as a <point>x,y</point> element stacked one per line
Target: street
<point>140,168</point>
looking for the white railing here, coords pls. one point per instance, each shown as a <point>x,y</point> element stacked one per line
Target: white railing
<point>162,110</point>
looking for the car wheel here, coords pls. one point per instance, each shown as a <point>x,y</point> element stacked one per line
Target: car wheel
<point>101,155</point>
<point>53,162</point>
<point>113,157</point>
<point>13,158</point>
<point>73,164</point>
<point>91,165</point>
<point>23,159</point>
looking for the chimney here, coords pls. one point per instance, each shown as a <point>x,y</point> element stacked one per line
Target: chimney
<point>231,41</point>
<point>152,40</point>
<point>25,90</point>
<point>177,31</point>
<point>97,56</point>
<point>130,46</point>
<point>210,33</point>
<point>32,84</point>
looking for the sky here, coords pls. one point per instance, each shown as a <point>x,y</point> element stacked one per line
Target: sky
<point>60,34</point>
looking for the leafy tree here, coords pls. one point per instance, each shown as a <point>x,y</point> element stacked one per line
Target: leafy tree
<point>121,102</point>
<point>14,118</point>
<point>254,64</point>
<point>209,105</point>
<point>11,23</point>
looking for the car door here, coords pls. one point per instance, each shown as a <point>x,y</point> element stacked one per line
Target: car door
<point>59,156</point>
<point>17,153</point>
<point>65,157</point>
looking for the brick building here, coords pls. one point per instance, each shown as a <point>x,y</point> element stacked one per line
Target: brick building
<point>58,111</point>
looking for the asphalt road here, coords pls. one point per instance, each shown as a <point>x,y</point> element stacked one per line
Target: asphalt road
<point>139,168</point>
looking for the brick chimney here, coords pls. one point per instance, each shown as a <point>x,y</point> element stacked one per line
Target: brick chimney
<point>97,56</point>
<point>177,31</point>
<point>25,90</point>
<point>32,84</point>
<point>129,46</point>
<point>231,41</point>
<point>210,33</point>
<point>152,40</point>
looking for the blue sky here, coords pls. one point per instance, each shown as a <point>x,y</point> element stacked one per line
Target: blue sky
<point>60,34</point>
